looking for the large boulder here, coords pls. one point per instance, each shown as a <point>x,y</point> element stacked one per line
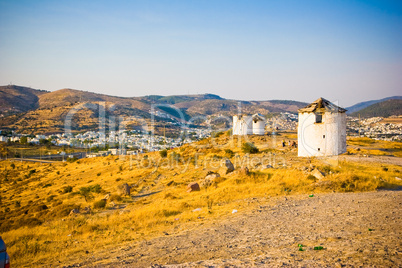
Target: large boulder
<point>193,187</point>
<point>229,166</point>
<point>124,189</point>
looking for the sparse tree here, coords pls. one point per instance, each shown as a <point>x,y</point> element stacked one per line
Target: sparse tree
<point>24,140</point>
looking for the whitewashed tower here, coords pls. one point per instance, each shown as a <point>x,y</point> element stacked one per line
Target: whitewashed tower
<point>322,129</point>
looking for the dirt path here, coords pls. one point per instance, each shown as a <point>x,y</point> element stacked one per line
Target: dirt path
<point>269,236</point>
<point>373,159</point>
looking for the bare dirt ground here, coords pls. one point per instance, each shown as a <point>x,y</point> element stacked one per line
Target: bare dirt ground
<point>373,159</point>
<point>354,229</point>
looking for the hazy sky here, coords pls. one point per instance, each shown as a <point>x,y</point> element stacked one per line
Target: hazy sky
<point>348,51</point>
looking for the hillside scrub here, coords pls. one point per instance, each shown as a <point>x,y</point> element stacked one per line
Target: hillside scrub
<point>41,232</point>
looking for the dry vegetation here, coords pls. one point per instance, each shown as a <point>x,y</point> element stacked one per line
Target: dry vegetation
<point>36,199</point>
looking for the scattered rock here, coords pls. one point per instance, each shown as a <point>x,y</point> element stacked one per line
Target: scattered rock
<point>124,189</point>
<point>106,197</point>
<point>311,167</point>
<point>87,210</point>
<point>244,171</point>
<point>229,166</point>
<point>318,174</point>
<point>193,187</point>
<point>209,179</point>
<point>74,212</point>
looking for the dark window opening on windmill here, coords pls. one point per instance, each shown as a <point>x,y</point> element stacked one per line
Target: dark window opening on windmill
<point>323,136</point>
<point>318,149</point>
<point>318,117</point>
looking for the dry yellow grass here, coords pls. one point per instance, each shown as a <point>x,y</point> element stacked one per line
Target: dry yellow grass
<point>159,201</point>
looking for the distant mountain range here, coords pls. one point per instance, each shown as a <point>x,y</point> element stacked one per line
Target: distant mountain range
<point>361,105</point>
<point>30,110</point>
<point>381,109</point>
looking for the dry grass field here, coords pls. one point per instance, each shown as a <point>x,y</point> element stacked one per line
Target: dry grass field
<point>37,199</point>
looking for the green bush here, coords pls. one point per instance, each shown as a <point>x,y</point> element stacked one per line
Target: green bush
<point>71,159</point>
<point>50,198</point>
<point>95,188</point>
<point>250,148</point>
<point>175,156</point>
<point>163,153</point>
<point>67,189</point>
<point>100,204</point>
<point>229,153</point>
<point>311,177</point>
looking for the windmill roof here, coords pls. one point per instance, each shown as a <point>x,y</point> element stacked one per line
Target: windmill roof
<point>322,105</point>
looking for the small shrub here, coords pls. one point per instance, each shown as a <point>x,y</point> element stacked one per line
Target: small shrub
<point>61,210</point>
<point>67,189</point>
<point>311,178</point>
<point>115,197</point>
<point>30,222</point>
<point>100,204</point>
<point>168,213</point>
<point>175,156</point>
<point>384,168</point>
<point>72,159</point>
<point>217,134</point>
<point>12,165</point>
<point>47,185</point>
<point>95,188</point>
<point>38,208</point>
<point>50,198</point>
<point>229,153</point>
<point>98,174</point>
<point>163,153</point>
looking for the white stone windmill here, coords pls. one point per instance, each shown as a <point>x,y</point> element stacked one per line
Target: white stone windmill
<point>248,125</point>
<point>322,129</point>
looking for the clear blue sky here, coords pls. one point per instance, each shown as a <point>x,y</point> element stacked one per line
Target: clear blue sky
<point>348,51</point>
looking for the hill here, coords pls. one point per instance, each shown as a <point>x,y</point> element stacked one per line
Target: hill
<point>28,110</point>
<point>361,105</point>
<point>14,99</point>
<point>382,109</point>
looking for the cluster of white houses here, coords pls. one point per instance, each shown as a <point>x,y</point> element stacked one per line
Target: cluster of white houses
<point>321,128</point>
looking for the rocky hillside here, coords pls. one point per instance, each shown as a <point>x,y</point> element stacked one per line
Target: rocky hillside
<point>29,110</point>
<point>19,99</point>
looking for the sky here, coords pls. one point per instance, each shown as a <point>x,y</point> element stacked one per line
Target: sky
<point>343,50</point>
